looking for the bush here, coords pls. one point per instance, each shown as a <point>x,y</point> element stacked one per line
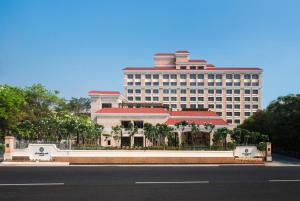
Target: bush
<point>1,148</point>
<point>261,146</point>
<point>231,145</point>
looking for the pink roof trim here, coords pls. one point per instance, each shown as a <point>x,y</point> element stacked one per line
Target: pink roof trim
<point>164,54</point>
<point>104,92</point>
<point>182,51</point>
<point>197,121</point>
<point>210,68</point>
<point>198,60</point>
<point>193,113</point>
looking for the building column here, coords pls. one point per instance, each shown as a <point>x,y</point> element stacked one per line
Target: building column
<point>9,147</point>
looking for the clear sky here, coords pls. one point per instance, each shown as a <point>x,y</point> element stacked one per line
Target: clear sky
<point>75,46</point>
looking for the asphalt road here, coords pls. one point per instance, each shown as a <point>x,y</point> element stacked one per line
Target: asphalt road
<point>234,183</point>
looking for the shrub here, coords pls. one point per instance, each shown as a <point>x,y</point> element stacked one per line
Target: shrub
<point>262,146</point>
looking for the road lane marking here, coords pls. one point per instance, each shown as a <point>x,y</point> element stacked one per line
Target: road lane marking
<point>284,180</point>
<point>34,184</point>
<point>171,182</point>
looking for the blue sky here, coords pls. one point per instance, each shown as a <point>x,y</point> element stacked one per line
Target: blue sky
<point>75,46</point>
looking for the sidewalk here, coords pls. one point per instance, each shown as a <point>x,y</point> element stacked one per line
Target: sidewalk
<point>33,164</point>
<point>282,160</point>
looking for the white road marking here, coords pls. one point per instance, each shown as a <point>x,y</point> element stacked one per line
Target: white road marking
<point>284,180</point>
<point>149,165</point>
<point>34,184</point>
<point>171,182</point>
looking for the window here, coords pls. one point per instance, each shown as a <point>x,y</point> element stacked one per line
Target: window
<point>247,76</point>
<point>173,106</point>
<point>255,91</point>
<point>229,121</point>
<point>200,106</point>
<point>193,83</point>
<point>247,91</point>
<point>237,99</point>
<point>200,98</point>
<point>173,83</point>
<point>211,84</point>
<point>255,99</point>
<point>148,83</point>
<point>228,106</point>
<point>148,91</point>
<point>237,114</point>
<point>255,84</point>
<point>138,124</point>
<point>211,76</point>
<point>125,124</point>
<point>138,98</point>
<point>228,91</point>
<point>138,84</point>
<point>247,106</point>
<point>236,76</point>
<point>130,76</point>
<point>228,84</point>
<point>148,98</point>
<point>200,83</point>
<point>210,98</point>
<point>182,98</point>
<point>148,76</point>
<point>236,91</point>
<point>173,99</point>
<point>218,91</point>
<point>156,76</point>
<point>228,113</point>
<point>228,76</point>
<point>218,76</point>
<point>193,106</point>
<point>236,84</point>
<point>166,83</point>
<point>193,98</point>
<point>183,105</point>
<point>173,76</point>
<point>237,121</point>
<point>173,91</point>
<point>130,83</point>
<point>247,98</point>
<point>108,142</point>
<point>211,91</point>
<point>218,98</point>
<point>166,76</point>
<point>183,76</point>
<point>219,106</point>
<point>236,106</point>
<point>130,91</point>
<point>228,98</point>
<point>106,105</point>
<point>166,105</point>
<point>165,98</point>
<point>193,67</point>
<point>200,67</point>
<point>166,91</point>
<point>193,76</point>
<point>218,84</point>
<point>137,76</point>
<point>192,91</point>
<point>182,83</point>
<point>155,91</point>
<point>183,91</point>
<point>211,106</point>
<point>247,114</point>
<point>219,113</point>
<point>247,84</point>
<point>137,91</point>
<point>155,98</point>
<point>254,76</point>
<point>200,76</point>
<point>255,106</point>
<point>182,67</point>
<point>200,91</point>
<point>155,83</point>
<point>130,98</point>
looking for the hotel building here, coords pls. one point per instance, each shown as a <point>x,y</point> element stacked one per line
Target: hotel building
<point>181,83</point>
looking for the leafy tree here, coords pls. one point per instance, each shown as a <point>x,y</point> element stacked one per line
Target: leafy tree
<point>117,133</point>
<point>220,137</point>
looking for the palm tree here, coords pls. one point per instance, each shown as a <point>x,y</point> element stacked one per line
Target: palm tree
<point>209,128</point>
<point>117,133</point>
<point>195,130</point>
<point>164,131</point>
<point>149,132</point>
<point>181,126</point>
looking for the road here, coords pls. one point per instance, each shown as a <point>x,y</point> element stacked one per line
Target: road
<point>150,183</point>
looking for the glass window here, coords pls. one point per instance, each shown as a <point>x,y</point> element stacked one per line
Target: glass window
<point>247,84</point>
<point>247,114</point>
<point>182,67</point>
<point>148,98</point>
<point>228,98</point>
<point>148,83</point>
<point>218,76</point>
<point>137,98</point>
<point>173,98</point>
<point>211,106</point>
<point>255,106</point>
<point>200,91</point>
<point>228,113</point>
<point>193,67</point>
<point>166,76</point>
<point>183,106</point>
<point>130,76</point>
<point>247,91</point>
<point>236,121</point>
<point>228,84</point>
<point>237,76</point>
<point>236,106</point>
<point>130,83</point>
<point>200,98</point>
<point>255,84</point>
<point>219,113</point>
<point>193,98</point>
<point>210,98</point>
<point>148,91</point>
<point>228,91</point>
<point>255,91</point>
<point>183,76</point>
<point>228,76</point>
<point>236,91</point>
<point>200,106</point>
<point>237,114</point>
<point>237,84</point>
<point>228,106</point>
<point>254,76</point>
<point>229,121</point>
<point>165,98</point>
<point>247,106</point>
<point>173,83</point>
<point>137,83</point>
<point>137,76</point>
<point>218,83</point>
<point>193,83</point>
<point>155,98</point>
<point>200,83</point>
<point>173,76</point>
<point>211,84</point>
<point>130,98</point>
<point>182,83</point>
<point>183,98</point>
<point>200,76</point>
<point>183,91</point>
<point>155,83</point>
<point>247,76</point>
<point>218,91</point>
<point>219,106</point>
<point>137,91</point>
<point>193,106</point>
<point>138,124</point>
<point>192,91</point>
<point>211,91</point>
<point>130,91</point>
<point>155,76</point>
<point>125,124</point>
<point>148,76</point>
<point>218,98</point>
<point>211,76</point>
<point>173,106</point>
<point>255,99</point>
<point>155,91</point>
<point>166,83</point>
<point>247,98</point>
<point>193,76</point>
<point>165,91</point>
<point>236,98</point>
<point>173,91</point>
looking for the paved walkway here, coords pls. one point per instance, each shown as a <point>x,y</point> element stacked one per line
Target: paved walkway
<point>282,160</point>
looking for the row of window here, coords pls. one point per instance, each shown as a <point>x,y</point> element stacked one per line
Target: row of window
<point>193,91</point>
<point>193,76</point>
<point>192,99</point>
<point>194,84</point>
<point>212,106</point>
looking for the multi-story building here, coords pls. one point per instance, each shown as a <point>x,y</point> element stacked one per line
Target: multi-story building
<point>178,82</point>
